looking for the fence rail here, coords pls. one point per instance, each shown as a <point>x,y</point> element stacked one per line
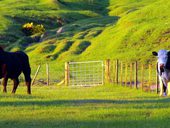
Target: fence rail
<point>45,74</point>
<point>88,73</point>
<point>135,74</point>
<point>131,74</point>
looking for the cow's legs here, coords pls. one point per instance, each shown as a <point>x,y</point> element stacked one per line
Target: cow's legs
<point>164,84</point>
<point>164,89</point>
<point>16,83</point>
<point>4,83</point>
<point>28,82</point>
<point>28,87</point>
<point>161,86</point>
<point>168,88</point>
<point>28,79</point>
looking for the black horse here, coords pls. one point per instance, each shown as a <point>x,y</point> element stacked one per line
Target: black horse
<point>12,64</point>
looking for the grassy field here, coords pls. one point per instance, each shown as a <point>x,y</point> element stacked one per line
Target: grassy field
<point>93,30</point>
<point>107,106</point>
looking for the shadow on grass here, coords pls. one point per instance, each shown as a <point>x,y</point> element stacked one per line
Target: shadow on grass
<point>18,96</point>
<point>71,123</point>
<point>137,104</point>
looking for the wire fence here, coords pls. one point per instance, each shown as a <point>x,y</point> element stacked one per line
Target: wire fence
<point>87,73</point>
<point>132,74</point>
<point>90,73</point>
<point>45,74</point>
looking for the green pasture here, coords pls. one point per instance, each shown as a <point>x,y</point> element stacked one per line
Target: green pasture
<point>128,30</point>
<point>107,106</point>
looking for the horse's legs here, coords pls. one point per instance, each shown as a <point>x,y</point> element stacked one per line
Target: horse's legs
<point>16,82</point>
<point>4,83</point>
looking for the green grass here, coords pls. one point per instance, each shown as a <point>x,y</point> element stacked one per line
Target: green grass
<point>105,106</point>
<point>13,16</point>
<point>128,30</point>
<point>130,34</point>
<point>135,34</point>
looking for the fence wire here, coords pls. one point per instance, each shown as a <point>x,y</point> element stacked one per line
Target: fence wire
<point>48,74</point>
<point>92,73</point>
<point>146,75</point>
<point>86,73</point>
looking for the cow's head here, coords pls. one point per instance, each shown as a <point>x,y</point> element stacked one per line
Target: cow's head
<point>163,59</point>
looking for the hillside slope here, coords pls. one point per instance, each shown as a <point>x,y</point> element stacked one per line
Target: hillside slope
<point>127,29</point>
<point>18,12</point>
<point>136,34</point>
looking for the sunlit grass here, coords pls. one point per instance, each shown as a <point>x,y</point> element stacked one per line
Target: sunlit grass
<point>126,30</point>
<point>103,106</point>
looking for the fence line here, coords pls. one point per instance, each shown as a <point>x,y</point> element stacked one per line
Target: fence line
<point>36,73</point>
<point>45,74</point>
<point>132,74</point>
<point>88,73</point>
<point>47,71</point>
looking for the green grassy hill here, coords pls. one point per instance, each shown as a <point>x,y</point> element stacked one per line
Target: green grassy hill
<point>126,29</point>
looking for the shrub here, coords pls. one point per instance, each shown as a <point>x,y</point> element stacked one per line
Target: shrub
<point>38,29</point>
<point>27,29</point>
<point>31,29</point>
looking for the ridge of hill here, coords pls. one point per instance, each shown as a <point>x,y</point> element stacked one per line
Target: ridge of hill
<point>127,29</point>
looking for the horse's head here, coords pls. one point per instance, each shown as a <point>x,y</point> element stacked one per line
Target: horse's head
<point>163,59</point>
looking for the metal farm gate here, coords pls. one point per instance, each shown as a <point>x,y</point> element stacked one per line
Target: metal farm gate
<point>87,73</point>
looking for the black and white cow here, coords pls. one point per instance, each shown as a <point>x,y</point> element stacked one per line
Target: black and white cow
<point>163,68</point>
